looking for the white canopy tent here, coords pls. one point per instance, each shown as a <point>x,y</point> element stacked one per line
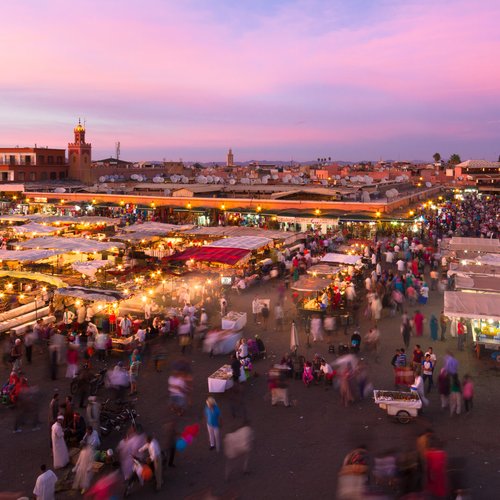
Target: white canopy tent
<point>92,294</point>
<point>245,242</point>
<point>474,244</point>
<point>71,244</point>
<point>472,305</point>
<point>476,282</point>
<point>28,255</point>
<point>90,267</point>
<point>34,228</point>
<point>157,228</point>
<point>341,258</point>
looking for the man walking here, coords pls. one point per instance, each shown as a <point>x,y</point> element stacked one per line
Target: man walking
<point>154,451</point>
<point>45,485</point>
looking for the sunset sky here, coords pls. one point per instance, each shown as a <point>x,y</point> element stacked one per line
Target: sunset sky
<point>273,79</point>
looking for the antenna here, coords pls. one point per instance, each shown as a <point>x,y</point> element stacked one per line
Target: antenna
<point>117,145</point>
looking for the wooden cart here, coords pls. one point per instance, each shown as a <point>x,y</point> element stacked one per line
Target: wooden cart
<point>402,405</point>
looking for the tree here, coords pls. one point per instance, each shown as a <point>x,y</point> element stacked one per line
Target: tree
<point>454,159</point>
<point>437,157</point>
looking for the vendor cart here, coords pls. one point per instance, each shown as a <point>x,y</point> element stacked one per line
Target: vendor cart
<point>402,405</point>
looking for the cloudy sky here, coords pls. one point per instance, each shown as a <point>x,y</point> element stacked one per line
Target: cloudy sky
<point>273,79</point>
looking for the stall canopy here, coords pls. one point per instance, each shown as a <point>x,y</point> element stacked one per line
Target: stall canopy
<point>230,231</point>
<point>323,270</point>
<point>34,228</point>
<point>28,255</point>
<point>310,284</point>
<point>476,282</point>
<point>341,258</point>
<point>47,278</point>
<point>475,244</point>
<point>90,267</point>
<point>244,242</point>
<point>489,259</point>
<point>67,219</point>
<point>157,228</point>
<point>92,294</point>
<point>228,256</point>
<point>472,305</point>
<point>71,244</point>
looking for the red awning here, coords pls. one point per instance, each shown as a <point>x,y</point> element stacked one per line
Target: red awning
<point>212,254</point>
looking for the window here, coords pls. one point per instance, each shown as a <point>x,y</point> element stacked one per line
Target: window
<point>53,176</point>
<point>41,159</point>
<point>12,159</point>
<point>32,176</point>
<point>50,160</point>
<point>59,160</point>
<point>20,176</point>
<point>62,175</point>
<point>27,160</point>
<point>43,176</point>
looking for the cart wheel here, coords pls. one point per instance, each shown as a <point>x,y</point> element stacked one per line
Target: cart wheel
<point>403,417</point>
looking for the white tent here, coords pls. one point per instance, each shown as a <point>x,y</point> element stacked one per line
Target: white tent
<point>157,228</point>
<point>93,294</point>
<point>475,244</point>
<point>34,228</point>
<point>70,244</point>
<point>27,255</point>
<point>341,258</point>
<point>90,267</point>
<point>245,242</point>
<point>472,305</point>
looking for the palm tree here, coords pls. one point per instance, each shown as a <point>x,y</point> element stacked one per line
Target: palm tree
<point>437,157</point>
<point>454,159</point>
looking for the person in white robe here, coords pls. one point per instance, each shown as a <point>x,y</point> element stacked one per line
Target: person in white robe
<point>45,484</point>
<point>84,469</point>
<point>59,448</point>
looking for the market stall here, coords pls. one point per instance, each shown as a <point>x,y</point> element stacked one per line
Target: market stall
<point>234,321</point>
<point>341,258</point>
<point>221,380</point>
<point>482,309</point>
<point>402,405</point>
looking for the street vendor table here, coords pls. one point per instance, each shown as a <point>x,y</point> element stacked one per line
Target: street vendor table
<point>221,341</point>
<point>221,380</point>
<point>234,321</point>
<point>122,343</point>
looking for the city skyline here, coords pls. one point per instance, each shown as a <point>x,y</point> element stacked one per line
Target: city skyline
<point>295,79</point>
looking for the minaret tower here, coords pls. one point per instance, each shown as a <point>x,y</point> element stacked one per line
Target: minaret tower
<point>79,156</point>
<point>230,159</point>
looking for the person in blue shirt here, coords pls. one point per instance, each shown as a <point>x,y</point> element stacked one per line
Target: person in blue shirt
<point>212,416</point>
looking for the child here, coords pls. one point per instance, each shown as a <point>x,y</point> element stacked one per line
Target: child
<point>468,392</point>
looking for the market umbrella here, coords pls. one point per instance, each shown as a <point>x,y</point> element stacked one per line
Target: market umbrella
<point>294,337</point>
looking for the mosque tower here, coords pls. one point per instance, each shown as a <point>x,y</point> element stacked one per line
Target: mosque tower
<point>80,156</point>
<point>230,158</point>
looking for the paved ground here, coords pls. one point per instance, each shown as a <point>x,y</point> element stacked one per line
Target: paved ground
<point>298,450</point>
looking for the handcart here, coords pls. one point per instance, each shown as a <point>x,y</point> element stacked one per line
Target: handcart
<point>402,405</point>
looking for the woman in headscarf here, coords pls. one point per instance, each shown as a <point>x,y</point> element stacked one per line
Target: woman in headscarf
<point>433,326</point>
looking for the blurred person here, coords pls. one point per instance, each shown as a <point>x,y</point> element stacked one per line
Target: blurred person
<point>84,469</point>
<point>91,438</point>
<point>433,327</point>
<point>29,341</point>
<point>436,483</point>
<point>93,413</point>
<point>418,321</point>
<point>45,485</point>
<point>427,371</point>
<point>461,334</point>
<point>468,392</point>
<point>443,321</point>
<point>455,395</point>
<point>16,355</point>
<point>238,445</point>
<point>353,475</point>
<point>155,458</point>
<point>418,386</point>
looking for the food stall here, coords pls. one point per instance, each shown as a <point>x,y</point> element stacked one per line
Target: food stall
<point>402,405</point>
<point>482,309</point>
<point>221,380</point>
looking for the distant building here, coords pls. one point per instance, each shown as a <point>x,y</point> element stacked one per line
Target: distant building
<point>80,157</point>
<point>32,164</point>
<point>230,158</point>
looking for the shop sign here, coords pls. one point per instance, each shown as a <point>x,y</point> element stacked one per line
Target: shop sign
<point>307,220</point>
<point>39,200</point>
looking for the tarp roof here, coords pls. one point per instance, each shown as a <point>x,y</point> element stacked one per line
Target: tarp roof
<point>477,282</point>
<point>472,305</point>
<point>310,284</point>
<point>221,231</point>
<point>90,267</point>
<point>28,255</point>
<point>70,244</point>
<point>94,294</point>
<point>228,256</point>
<point>68,219</point>
<point>475,244</point>
<point>341,258</point>
<point>34,228</point>
<point>157,228</point>
<point>245,242</point>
